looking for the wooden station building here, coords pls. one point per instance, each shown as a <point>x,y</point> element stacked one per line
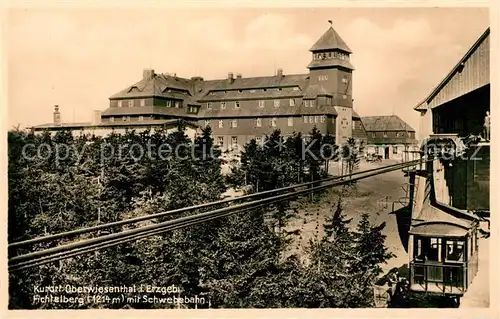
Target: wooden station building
<point>450,195</point>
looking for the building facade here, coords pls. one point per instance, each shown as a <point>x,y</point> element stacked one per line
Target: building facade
<point>390,137</point>
<point>239,109</point>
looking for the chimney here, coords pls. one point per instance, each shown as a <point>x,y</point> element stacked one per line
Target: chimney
<point>230,77</point>
<point>280,72</point>
<point>57,115</point>
<point>97,117</point>
<point>148,74</point>
<point>238,76</point>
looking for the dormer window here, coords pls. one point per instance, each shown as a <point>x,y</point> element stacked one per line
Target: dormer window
<point>120,103</point>
<point>143,102</point>
<point>193,109</point>
<point>130,103</point>
<point>240,91</point>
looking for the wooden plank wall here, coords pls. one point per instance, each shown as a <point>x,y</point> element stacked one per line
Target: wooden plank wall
<point>475,74</point>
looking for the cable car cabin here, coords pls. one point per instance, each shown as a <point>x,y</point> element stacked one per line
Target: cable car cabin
<point>443,246</point>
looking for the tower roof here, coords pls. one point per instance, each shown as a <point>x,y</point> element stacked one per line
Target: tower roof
<point>330,40</point>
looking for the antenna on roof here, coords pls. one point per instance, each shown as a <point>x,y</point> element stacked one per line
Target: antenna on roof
<point>331,23</point>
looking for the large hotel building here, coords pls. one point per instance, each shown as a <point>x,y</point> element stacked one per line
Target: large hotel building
<point>238,108</point>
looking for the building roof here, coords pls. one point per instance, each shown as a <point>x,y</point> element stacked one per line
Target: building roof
<point>330,40</point>
<point>109,125</point>
<point>423,104</point>
<point>385,123</point>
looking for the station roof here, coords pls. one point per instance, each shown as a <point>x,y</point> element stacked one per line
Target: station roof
<point>422,106</point>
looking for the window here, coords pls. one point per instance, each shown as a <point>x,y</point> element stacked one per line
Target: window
<point>385,134</point>
<point>276,103</point>
<point>112,119</point>
<point>130,103</point>
<point>295,88</point>
<point>258,140</point>
<point>234,123</point>
<point>176,104</point>
<point>328,101</point>
<point>258,122</point>
<point>373,135</point>
<point>209,105</point>
<point>222,105</point>
<point>344,80</point>
<point>141,118</point>
<point>273,122</point>
<point>239,91</point>
<point>220,140</point>
<point>316,119</point>
<point>237,105</point>
<point>344,97</point>
<point>290,121</point>
<point>434,253</point>
<point>305,119</point>
<point>306,103</point>
<point>292,102</point>
<point>124,118</point>
<point>400,134</point>
<point>142,102</point>
<point>207,123</point>
<point>221,123</point>
<point>169,103</point>
<point>323,119</point>
<point>353,125</point>
<point>261,104</point>
<point>454,250</point>
<point>128,118</point>
<point>120,103</point>
<point>323,78</point>
<point>394,150</point>
<point>234,140</point>
<point>252,91</point>
<point>193,109</point>
<point>311,119</point>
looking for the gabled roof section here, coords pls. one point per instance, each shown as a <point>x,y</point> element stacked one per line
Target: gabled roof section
<point>330,40</point>
<point>423,104</point>
<point>385,123</point>
<point>157,85</point>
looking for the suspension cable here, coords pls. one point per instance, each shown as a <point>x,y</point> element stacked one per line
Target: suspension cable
<point>182,210</point>
<point>129,235</point>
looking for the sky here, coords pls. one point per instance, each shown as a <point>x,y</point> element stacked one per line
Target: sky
<point>79,57</point>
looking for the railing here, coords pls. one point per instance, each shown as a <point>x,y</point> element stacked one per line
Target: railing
<point>437,278</point>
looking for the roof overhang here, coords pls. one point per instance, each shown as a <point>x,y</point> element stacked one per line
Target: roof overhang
<point>439,229</point>
<point>422,106</point>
